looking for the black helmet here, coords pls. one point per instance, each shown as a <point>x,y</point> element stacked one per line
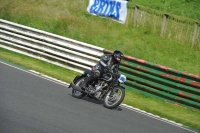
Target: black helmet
<point>118,55</point>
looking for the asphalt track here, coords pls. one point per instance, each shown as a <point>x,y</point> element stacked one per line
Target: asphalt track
<point>33,104</point>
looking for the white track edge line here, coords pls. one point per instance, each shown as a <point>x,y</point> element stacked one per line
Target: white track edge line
<point>39,75</point>
<point>155,117</point>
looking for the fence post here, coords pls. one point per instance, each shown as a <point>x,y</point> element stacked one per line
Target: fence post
<point>195,33</point>
<point>135,15</point>
<point>164,23</point>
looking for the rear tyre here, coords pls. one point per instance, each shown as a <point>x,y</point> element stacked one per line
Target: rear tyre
<point>115,99</point>
<point>75,93</point>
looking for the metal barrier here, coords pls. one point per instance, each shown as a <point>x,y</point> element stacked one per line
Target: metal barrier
<point>142,76</point>
<point>161,82</point>
<point>45,46</point>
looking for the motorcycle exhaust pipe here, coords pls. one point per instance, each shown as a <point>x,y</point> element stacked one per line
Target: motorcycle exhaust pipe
<point>77,88</point>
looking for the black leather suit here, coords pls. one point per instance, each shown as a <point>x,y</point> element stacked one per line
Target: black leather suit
<point>103,66</point>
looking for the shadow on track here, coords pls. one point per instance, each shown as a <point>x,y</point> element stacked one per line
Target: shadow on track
<point>97,102</point>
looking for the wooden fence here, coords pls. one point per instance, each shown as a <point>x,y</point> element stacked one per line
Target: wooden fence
<point>178,28</point>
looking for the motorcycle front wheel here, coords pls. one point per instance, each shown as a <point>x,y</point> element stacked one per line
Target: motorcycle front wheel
<point>75,93</point>
<point>114,98</point>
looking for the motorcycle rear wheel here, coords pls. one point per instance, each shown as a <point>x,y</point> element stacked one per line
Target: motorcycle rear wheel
<point>75,93</point>
<point>115,99</point>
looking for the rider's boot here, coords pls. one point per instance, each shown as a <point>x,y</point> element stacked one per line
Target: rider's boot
<point>85,85</point>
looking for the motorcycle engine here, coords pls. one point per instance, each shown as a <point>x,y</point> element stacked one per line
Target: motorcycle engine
<point>97,94</point>
<point>99,88</point>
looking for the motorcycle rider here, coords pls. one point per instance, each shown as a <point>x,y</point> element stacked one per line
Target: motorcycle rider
<point>110,62</point>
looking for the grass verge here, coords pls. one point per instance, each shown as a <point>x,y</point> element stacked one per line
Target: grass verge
<point>189,118</point>
<point>39,66</point>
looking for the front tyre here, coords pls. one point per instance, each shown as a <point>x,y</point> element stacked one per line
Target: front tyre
<point>75,93</point>
<point>115,99</point>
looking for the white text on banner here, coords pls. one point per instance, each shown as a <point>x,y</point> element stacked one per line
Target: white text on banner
<point>116,9</point>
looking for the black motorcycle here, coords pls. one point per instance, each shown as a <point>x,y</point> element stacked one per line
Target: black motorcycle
<point>105,88</point>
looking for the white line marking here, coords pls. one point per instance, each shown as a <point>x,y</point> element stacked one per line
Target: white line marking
<point>48,77</point>
<point>39,75</point>
<point>155,117</point>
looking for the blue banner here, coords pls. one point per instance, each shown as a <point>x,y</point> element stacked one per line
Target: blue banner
<point>115,9</point>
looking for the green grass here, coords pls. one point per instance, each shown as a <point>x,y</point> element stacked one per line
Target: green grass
<point>166,110</point>
<point>184,8</point>
<point>39,66</point>
<point>188,117</point>
<point>64,18</point>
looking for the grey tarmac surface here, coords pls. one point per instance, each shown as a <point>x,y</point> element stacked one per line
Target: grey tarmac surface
<point>31,104</point>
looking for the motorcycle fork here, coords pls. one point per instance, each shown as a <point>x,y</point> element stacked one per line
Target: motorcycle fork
<point>111,89</point>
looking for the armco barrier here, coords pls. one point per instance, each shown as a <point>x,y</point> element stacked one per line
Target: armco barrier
<point>161,82</point>
<point>142,76</point>
<point>45,46</point>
